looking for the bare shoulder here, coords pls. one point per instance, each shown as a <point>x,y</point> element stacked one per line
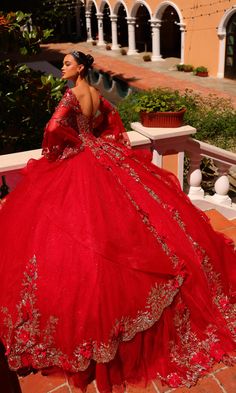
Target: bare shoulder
<point>79,93</point>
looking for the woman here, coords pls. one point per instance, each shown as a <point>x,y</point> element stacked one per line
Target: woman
<point>107,270</point>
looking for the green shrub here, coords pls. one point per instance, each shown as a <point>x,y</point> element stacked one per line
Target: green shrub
<point>28,99</point>
<point>159,100</point>
<point>212,116</point>
<point>20,35</point>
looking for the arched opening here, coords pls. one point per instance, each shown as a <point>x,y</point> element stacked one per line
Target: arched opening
<point>94,22</point>
<point>107,23</point>
<point>170,36</point>
<point>122,27</point>
<point>143,36</point>
<point>230,48</point>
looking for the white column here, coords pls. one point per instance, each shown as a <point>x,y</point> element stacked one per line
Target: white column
<point>88,26</point>
<point>100,29</point>
<point>131,36</point>
<point>155,25</point>
<point>113,19</point>
<point>221,64</point>
<point>182,43</point>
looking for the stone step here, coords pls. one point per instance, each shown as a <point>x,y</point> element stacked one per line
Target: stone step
<point>222,224</point>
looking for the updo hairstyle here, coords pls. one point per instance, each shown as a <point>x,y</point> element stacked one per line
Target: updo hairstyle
<point>82,58</point>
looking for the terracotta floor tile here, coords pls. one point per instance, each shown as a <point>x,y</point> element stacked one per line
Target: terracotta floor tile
<point>62,389</point>
<point>230,232</point>
<point>217,220</point>
<point>217,367</point>
<point>36,383</point>
<point>149,389</point>
<point>159,387</point>
<point>227,379</point>
<point>90,389</point>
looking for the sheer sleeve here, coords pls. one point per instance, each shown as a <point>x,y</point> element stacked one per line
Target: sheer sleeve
<point>108,123</point>
<point>61,137</point>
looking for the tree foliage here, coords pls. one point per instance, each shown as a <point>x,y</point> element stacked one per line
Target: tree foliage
<point>28,99</point>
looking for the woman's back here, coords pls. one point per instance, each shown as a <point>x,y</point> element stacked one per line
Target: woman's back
<point>88,97</point>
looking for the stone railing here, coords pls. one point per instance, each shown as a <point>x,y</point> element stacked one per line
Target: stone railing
<point>169,147</point>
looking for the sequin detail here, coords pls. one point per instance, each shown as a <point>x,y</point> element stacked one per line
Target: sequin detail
<point>28,344</point>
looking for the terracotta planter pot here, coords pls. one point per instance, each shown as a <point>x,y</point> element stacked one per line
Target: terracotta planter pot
<point>162,119</point>
<point>202,73</point>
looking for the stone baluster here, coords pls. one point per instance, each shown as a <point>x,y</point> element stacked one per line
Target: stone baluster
<point>194,176</point>
<point>222,185</point>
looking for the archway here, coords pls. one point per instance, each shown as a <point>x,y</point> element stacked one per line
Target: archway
<point>170,35</point>
<point>122,27</point>
<point>107,23</point>
<point>230,48</point>
<point>143,36</point>
<point>94,22</point>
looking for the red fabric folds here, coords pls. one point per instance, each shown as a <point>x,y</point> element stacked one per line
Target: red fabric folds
<point>107,270</point>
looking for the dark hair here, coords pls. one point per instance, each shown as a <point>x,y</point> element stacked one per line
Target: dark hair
<point>82,58</point>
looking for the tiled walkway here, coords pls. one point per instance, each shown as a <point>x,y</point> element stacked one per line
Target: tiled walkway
<point>222,379</point>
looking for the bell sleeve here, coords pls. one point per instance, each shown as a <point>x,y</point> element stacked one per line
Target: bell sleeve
<point>61,140</point>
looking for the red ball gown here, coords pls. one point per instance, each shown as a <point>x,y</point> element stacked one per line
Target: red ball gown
<point>107,270</point>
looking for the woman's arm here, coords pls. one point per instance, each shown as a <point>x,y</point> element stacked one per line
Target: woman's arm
<point>61,138</point>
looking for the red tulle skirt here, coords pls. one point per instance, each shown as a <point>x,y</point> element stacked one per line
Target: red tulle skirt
<point>109,272</point>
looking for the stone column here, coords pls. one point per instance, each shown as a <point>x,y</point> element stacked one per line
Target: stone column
<point>113,19</point>
<point>182,44</point>
<point>100,29</point>
<point>155,25</point>
<point>131,36</point>
<point>221,66</point>
<point>88,26</point>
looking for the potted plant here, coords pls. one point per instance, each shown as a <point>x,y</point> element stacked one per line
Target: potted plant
<point>108,47</point>
<point>147,57</point>
<point>180,67</point>
<point>123,51</point>
<point>160,108</point>
<point>201,71</point>
<point>188,67</point>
